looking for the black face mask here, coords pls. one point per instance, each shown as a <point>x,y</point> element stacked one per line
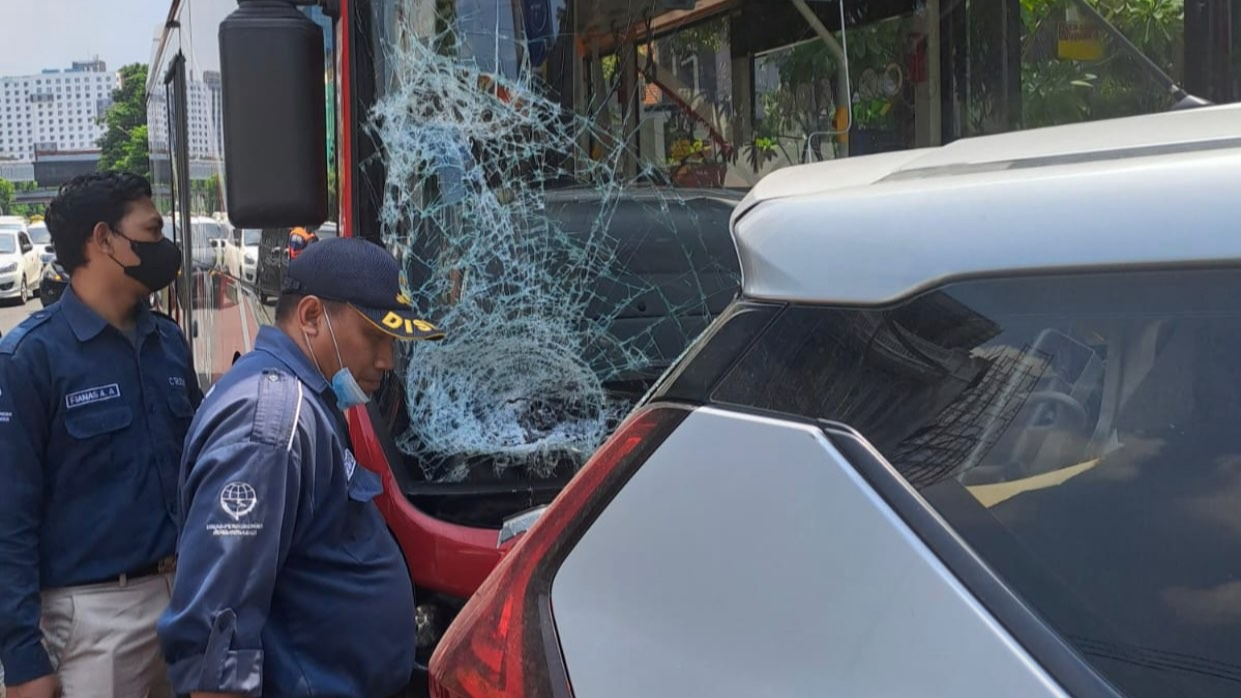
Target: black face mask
<point>158,263</point>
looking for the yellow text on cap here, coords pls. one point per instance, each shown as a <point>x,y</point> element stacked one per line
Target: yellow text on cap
<point>394,321</point>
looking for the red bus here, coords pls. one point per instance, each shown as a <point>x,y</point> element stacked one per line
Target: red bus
<point>557,177</point>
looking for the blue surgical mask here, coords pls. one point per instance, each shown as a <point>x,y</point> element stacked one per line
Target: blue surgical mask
<point>348,392</point>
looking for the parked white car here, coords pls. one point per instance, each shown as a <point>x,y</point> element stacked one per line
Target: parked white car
<point>241,254</point>
<point>970,430</point>
<point>42,240</point>
<point>209,239</point>
<point>21,270</point>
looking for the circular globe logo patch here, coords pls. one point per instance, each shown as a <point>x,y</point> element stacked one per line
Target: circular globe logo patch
<point>238,499</point>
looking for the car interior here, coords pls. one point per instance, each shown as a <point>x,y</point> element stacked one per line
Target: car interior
<point>1119,480</point>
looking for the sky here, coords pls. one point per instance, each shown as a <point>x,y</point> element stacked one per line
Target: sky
<point>42,34</point>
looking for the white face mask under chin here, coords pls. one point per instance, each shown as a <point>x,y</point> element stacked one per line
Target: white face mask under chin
<point>348,392</point>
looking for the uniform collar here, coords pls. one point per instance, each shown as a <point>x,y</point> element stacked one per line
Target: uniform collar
<point>87,324</point>
<point>274,341</point>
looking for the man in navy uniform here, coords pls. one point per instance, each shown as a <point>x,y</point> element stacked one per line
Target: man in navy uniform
<point>289,582</point>
<point>96,395</point>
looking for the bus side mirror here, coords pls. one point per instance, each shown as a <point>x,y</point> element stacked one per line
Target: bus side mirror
<point>274,114</point>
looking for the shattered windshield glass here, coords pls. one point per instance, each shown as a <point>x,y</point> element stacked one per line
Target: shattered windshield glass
<point>565,276</point>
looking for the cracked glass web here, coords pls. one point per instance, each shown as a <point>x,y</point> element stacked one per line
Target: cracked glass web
<point>527,287</point>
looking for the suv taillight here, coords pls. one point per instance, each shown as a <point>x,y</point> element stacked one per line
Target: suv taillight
<point>504,642</point>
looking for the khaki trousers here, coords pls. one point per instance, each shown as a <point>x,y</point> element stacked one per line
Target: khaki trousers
<point>101,638</point>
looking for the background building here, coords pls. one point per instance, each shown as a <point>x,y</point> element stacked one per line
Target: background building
<point>205,136</point>
<point>54,111</point>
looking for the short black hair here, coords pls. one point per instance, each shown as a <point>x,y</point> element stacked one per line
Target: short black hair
<point>286,305</point>
<point>85,201</point>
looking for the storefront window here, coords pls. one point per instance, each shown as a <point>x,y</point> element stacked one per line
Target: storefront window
<point>718,94</point>
<point>687,104</point>
<point>1037,63</point>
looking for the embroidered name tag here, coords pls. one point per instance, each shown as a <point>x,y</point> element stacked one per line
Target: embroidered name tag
<point>92,395</point>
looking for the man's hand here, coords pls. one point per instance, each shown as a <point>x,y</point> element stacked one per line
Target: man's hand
<point>42,687</point>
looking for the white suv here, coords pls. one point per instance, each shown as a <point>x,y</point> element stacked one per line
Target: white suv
<point>973,428</point>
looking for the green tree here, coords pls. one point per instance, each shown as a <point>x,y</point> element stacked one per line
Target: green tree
<point>206,195</point>
<point>6,197</point>
<point>124,144</point>
<point>333,196</point>
<point>28,210</point>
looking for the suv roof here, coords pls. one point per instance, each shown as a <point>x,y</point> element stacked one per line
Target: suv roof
<point>872,229</point>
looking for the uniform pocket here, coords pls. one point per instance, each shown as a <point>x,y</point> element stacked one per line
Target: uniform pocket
<point>58,622</point>
<point>363,519</point>
<point>179,404</point>
<point>364,486</point>
<point>96,432</point>
<point>92,423</point>
<point>182,414</point>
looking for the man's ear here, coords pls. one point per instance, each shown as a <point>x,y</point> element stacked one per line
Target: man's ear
<point>102,235</point>
<point>309,314</point>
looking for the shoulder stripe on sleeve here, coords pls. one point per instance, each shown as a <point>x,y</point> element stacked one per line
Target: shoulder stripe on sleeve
<point>297,415</point>
<point>277,400</point>
<point>10,341</point>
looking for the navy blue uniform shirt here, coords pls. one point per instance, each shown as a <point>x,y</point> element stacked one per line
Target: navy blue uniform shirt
<point>91,428</point>
<point>288,580</point>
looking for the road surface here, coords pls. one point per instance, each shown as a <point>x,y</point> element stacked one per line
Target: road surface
<point>11,314</point>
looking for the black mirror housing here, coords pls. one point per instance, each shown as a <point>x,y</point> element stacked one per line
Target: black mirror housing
<point>275,123</point>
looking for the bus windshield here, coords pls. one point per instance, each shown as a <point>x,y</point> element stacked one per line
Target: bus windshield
<point>566,113</point>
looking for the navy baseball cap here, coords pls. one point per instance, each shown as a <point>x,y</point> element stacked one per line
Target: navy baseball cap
<point>362,274</point>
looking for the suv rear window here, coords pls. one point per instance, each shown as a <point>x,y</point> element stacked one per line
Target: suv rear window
<point>1082,434</point>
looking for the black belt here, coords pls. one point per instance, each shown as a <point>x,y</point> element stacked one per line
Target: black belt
<point>162,566</point>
